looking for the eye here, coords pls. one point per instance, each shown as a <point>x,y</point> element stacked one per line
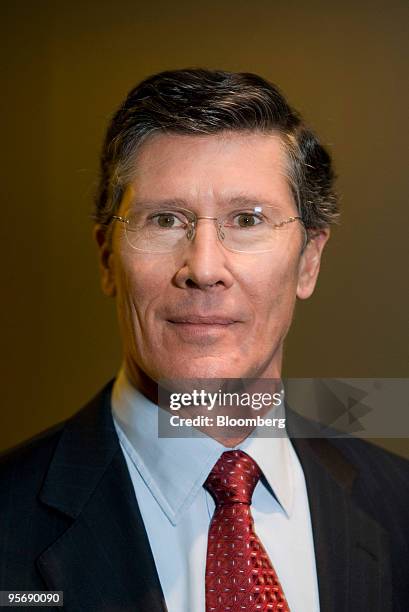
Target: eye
<point>247,219</point>
<point>168,220</point>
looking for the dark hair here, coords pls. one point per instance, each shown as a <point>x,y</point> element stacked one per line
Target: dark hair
<point>199,101</point>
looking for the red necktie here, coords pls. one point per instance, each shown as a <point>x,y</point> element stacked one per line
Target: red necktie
<point>239,574</point>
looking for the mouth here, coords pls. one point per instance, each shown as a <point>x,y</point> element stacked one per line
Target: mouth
<point>202,320</point>
<point>194,327</point>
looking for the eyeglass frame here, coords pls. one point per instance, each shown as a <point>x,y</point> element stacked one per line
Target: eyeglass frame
<point>192,226</point>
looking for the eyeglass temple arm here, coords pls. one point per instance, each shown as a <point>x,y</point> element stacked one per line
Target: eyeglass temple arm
<point>122,219</point>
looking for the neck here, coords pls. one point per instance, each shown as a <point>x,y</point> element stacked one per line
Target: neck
<point>149,387</point>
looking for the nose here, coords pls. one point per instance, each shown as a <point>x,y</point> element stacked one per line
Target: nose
<point>205,261</point>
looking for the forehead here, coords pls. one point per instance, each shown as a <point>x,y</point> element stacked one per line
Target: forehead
<point>211,169</point>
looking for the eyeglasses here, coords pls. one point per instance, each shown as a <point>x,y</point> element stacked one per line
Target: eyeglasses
<point>256,230</point>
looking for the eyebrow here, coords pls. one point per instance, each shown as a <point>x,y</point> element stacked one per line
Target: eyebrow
<point>247,201</point>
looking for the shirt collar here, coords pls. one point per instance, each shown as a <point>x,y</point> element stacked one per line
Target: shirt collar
<point>174,469</point>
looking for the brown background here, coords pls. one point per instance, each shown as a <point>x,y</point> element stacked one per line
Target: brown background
<point>68,65</point>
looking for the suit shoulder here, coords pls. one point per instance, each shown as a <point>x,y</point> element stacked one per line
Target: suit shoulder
<point>362,451</point>
<point>386,470</point>
<point>30,456</point>
<point>26,462</point>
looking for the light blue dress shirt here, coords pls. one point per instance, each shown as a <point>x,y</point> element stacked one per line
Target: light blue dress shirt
<point>168,476</point>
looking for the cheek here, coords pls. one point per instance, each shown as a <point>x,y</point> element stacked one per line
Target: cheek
<point>139,286</point>
<point>272,303</point>
<point>274,291</point>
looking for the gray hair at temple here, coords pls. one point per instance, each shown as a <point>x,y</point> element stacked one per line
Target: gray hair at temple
<point>199,101</point>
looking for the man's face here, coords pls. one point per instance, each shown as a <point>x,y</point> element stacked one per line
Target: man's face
<point>206,312</point>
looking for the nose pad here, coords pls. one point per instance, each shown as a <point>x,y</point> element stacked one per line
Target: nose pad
<point>220,232</point>
<point>191,231</point>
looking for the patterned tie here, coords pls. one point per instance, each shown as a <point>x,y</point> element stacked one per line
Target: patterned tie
<point>239,574</point>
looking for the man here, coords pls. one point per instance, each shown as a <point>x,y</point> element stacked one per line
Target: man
<point>213,211</point>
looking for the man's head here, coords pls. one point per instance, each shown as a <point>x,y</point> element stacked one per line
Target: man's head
<point>217,144</point>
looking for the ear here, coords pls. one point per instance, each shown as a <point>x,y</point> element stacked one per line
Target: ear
<point>310,262</point>
<point>106,260</point>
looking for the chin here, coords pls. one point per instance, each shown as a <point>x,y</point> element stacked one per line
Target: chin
<point>202,368</point>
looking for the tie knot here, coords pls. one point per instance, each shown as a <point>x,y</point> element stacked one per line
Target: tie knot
<point>233,478</point>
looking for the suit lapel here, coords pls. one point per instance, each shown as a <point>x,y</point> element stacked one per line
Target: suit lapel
<point>351,548</point>
<point>103,562</point>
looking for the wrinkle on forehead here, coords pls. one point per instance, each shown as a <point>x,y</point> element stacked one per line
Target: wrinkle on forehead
<point>211,171</point>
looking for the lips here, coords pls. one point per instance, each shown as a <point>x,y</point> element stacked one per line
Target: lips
<point>201,330</point>
<point>202,320</point>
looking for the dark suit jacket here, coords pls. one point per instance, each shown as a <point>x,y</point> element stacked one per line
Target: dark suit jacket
<point>69,520</point>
